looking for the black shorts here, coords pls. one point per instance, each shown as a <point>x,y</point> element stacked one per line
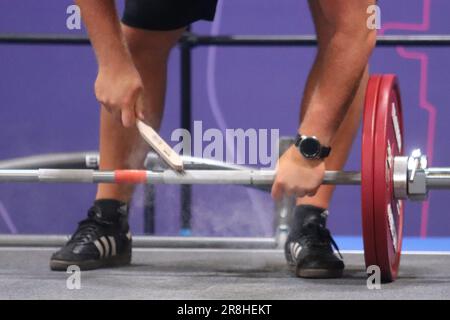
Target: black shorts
<point>167,14</point>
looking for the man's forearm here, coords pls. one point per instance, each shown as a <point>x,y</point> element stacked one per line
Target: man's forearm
<point>342,65</point>
<point>102,22</point>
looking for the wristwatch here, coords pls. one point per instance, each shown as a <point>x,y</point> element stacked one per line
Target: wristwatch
<point>310,147</point>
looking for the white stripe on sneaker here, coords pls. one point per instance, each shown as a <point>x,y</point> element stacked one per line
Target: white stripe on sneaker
<point>112,241</point>
<point>297,251</point>
<point>106,245</point>
<point>293,247</point>
<point>99,248</point>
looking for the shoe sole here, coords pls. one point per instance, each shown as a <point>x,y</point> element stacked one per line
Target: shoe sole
<point>117,261</point>
<point>319,273</point>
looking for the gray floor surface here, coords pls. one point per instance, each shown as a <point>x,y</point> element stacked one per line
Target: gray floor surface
<point>214,274</point>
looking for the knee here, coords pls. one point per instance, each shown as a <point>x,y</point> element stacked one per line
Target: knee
<point>153,44</point>
<point>367,39</point>
<point>357,37</point>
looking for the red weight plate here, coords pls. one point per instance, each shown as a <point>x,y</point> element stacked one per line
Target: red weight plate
<point>367,149</point>
<point>388,211</point>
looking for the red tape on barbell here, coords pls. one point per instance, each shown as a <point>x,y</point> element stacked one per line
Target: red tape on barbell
<point>130,176</point>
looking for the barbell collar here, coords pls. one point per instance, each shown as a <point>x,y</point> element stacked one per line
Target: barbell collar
<point>400,177</point>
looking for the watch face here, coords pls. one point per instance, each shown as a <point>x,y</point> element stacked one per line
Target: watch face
<point>310,147</point>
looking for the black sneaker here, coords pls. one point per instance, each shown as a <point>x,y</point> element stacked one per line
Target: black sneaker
<point>309,246</point>
<point>101,240</point>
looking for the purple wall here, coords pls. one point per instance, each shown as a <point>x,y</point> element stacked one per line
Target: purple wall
<point>47,105</point>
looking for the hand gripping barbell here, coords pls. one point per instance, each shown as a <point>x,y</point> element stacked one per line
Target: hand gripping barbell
<point>387,177</point>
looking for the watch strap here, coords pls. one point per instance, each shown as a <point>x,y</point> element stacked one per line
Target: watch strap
<point>298,139</point>
<point>324,152</point>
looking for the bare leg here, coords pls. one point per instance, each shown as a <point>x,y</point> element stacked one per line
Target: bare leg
<point>122,148</point>
<point>342,143</point>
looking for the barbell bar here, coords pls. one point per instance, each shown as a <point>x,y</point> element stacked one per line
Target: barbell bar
<point>434,178</point>
<point>240,177</point>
